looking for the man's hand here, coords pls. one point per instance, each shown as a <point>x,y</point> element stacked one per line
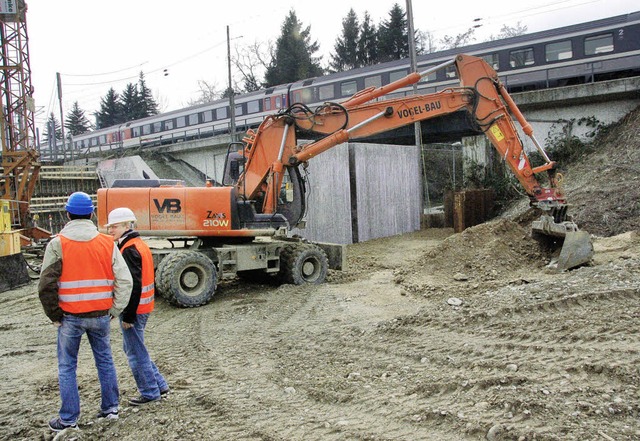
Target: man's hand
<point>126,325</point>
<point>57,324</point>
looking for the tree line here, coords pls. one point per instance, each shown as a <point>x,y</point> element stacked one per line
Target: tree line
<point>361,43</point>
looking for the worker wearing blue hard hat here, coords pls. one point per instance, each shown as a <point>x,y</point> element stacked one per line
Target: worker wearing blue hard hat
<point>82,296</point>
<point>79,203</point>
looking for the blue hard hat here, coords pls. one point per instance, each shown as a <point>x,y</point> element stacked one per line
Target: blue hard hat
<point>79,203</point>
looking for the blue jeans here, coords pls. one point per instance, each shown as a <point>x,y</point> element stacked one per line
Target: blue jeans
<point>148,378</point>
<point>69,336</point>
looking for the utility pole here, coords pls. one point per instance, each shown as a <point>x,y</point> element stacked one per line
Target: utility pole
<point>414,68</point>
<point>64,153</point>
<point>232,104</point>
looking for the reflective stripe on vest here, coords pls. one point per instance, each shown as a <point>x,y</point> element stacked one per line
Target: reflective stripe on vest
<point>147,294</point>
<point>87,279</point>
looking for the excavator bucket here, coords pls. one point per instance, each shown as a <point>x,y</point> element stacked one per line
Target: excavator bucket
<point>577,250</point>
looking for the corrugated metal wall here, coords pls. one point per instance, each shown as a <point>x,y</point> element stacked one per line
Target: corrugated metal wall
<point>360,192</point>
<point>389,189</point>
<point>329,198</point>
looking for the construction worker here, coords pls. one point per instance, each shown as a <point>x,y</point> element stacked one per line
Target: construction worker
<point>151,384</point>
<point>84,283</point>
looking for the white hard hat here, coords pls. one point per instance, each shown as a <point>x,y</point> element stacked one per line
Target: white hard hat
<point>119,215</point>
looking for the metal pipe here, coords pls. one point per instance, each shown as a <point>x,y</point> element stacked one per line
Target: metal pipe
<point>284,138</point>
<point>539,147</point>
<point>438,67</point>
<point>367,121</point>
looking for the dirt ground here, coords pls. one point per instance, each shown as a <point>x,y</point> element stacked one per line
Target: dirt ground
<point>427,336</point>
<point>382,351</point>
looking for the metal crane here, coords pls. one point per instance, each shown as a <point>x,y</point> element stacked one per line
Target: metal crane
<point>20,166</point>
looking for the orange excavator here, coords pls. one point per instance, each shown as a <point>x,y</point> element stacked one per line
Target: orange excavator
<point>262,195</point>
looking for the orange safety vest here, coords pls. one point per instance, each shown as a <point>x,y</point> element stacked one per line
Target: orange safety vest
<point>148,286</point>
<point>86,282</point>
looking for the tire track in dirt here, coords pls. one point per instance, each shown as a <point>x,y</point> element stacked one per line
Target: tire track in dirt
<point>241,391</point>
<point>491,345</point>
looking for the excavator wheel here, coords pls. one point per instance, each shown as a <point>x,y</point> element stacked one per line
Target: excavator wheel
<point>186,278</point>
<point>303,264</point>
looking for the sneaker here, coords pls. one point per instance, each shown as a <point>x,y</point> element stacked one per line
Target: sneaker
<point>165,391</point>
<point>57,425</point>
<point>113,415</point>
<point>139,401</point>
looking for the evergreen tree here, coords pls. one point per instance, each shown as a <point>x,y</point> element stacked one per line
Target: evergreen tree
<point>367,43</point>
<point>132,106</point>
<point>53,127</point>
<point>149,105</point>
<point>293,58</point>
<point>393,43</point>
<point>345,54</point>
<point>77,123</point>
<point>110,112</point>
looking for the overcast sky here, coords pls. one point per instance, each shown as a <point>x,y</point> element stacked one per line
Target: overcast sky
<point>96,45</point>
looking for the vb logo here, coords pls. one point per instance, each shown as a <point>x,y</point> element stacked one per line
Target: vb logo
<point>168,206</point>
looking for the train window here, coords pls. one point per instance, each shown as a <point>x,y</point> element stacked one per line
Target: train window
<point>193,119</point>
<point>450,72</point>
<point>168,124</point>
<point>207,116</point>
<point>393,76</point>
<point>375,81</point>
<point>598,44</point>
<point>278,102</point>
<point>303,95</point>
<point>157,127</point>
<point>253,106</point>
<point>181,121</point>
<point>135,132</point>
<point>348,88</point>
<point>146,129</point>
<point>520,58</point>
<point>238,111</point>
<point>326,92</point>
<point>267,104</point>
<point>492,60</point>
<point>102,139</point>
<point>222,113</point>
<point>558,51</point>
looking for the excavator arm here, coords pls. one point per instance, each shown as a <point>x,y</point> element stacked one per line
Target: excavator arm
<point>481,94</point>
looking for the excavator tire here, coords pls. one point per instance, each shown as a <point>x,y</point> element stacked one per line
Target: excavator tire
<point>303,264</point>
<point>186,278</point>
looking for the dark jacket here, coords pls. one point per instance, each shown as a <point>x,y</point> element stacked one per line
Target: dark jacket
<point>134,262</point>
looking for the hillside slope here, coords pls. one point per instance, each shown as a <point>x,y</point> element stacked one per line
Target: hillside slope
<point>603,187</point>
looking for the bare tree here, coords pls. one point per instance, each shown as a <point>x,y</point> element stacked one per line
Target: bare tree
<point>208,92</point>
<point>459,40</point>
<point>507,31</point>
<point>425,42</point>
<point>252,61</point>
